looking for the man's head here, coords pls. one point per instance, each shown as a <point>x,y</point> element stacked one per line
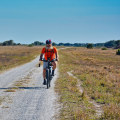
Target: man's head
<point>48,43</point>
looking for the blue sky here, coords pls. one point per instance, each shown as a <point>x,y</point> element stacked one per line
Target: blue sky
<point>82,21</point>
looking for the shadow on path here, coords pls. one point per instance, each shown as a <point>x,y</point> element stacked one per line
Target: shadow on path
<point>30,88</point>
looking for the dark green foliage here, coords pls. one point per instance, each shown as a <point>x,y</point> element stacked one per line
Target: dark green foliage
<point>36,43</point>
<point>61,44</point>
<point>104,48</point>
<point>110,44</point>
<point>90,46</point>
<point>30,45</point>
<point>118,52</point>
<point>99,44</point>
<point>54,44</point>
<point>9,42</point>
<point>67,44</point>
<point>18,44</point>
<point>117,44</point>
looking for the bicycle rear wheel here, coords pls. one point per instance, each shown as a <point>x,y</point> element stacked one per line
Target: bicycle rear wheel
<point>47,77</point>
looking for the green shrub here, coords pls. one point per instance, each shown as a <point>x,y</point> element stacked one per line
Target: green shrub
<point>118,52</point>
<point>104,48</point>
<point>30,45</point>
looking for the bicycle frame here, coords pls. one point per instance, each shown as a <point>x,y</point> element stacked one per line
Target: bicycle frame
<point>49,71</point>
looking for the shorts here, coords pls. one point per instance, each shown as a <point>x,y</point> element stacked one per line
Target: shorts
<point>45,65</point>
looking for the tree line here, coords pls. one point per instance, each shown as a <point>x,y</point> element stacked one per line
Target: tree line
<point>108,44</point>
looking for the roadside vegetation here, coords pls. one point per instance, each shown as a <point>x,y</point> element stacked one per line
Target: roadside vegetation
<point>11,56</point>
<point>109,44</point>
<point>99,72</point>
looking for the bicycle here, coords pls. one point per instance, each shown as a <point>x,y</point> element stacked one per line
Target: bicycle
<point>49,71</point>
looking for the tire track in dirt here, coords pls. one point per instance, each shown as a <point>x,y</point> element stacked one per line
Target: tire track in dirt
<point>98,107</point>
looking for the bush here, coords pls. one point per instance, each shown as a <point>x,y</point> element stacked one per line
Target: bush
<point>30,45</point>
<point>89,46</point>
<point>118,52</point>
<point>104,48</point>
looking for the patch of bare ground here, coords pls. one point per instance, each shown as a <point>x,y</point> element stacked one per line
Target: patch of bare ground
<point>23,82</point>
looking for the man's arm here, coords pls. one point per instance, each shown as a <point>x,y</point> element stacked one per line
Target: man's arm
<point>57,57</point>
<point>42,53</point>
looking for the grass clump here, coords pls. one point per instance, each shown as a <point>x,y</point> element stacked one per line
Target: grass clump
<point>21,83</point>
<point>2,99</point>
<point>10,90</point>
<point>104,48</point>
<point>118,52</point>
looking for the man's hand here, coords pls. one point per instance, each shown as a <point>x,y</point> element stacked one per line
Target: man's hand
<point>40,59</point>
<point>57,59</point>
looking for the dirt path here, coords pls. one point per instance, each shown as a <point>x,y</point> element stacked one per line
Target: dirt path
<point>32,101</point>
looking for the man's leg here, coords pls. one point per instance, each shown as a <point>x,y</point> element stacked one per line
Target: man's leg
<point>54,67</point>
<point>44,76</point>
<point>44,72</point>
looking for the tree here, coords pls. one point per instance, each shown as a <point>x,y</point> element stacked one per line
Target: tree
<point>18,43</point>
<point>77,44</point>
<point>10,42</point>
<point>61,44</point>
<point>36,43</point>
<point>99,45</point>
<point>110,44</point>
<point>89,46</point>
<point>54,44</point>
<point>5,43</point>
<point>117,44</point>
<point>67,44</point>
<point>41,43</point>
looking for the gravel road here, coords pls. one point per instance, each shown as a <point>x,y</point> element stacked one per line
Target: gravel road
<point>32,101</point>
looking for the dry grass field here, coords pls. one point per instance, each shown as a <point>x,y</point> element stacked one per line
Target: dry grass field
<point>11,56</point>
<point>99,72</point>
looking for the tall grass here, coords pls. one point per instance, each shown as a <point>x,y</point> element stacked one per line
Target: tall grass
<point>99,72</point>
<point>11,56</point>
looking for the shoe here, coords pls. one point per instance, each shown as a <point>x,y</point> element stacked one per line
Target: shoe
<point>44,83</point>
<point>53,72</point>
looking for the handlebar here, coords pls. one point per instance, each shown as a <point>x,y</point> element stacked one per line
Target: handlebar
<point>49,60</point>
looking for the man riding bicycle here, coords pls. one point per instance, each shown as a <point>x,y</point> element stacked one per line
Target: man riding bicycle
<point>51,53</point>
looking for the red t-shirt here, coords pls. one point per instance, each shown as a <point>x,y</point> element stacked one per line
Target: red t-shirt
<point>49,53</point>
